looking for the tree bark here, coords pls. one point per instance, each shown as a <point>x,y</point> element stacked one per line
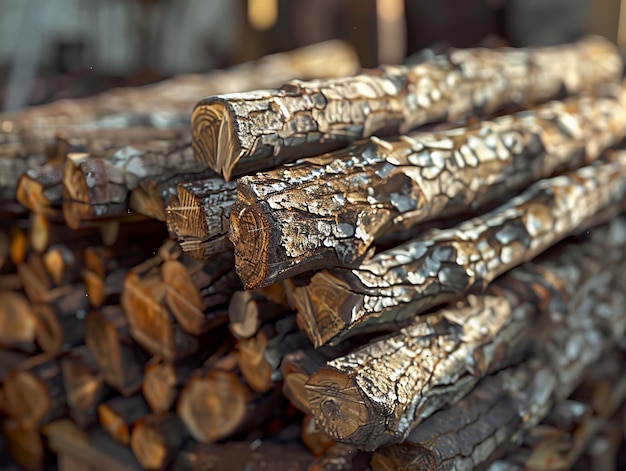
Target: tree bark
<point>328,211</point>
<point>198,216</point>
<point>442,266</point>
<point>240,133</point>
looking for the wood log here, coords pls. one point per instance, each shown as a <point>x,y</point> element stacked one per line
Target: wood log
<point>241,455</point>
<point>198,216</point>
<point>60,322</point>
<point>18,245</point>
<point>107,335</point>
<point>17,322</point>
<point>313,438</point>
<point>24,445</point>
<point>83,384</point>
<point>550,379</point>
<point>248,310</point>
<point>340,457</point>
<point>40,189</point>
<point>34,392</point>
<point>328,211</point>
<point>87,450</point>
<point>162,382</point>
<point>119,414</point>
<point>239,133</point>
<point>16,159</point>
<point>156,439</point>
<point>63,263</point>
<point>443,265</point>
<point>379,393</point>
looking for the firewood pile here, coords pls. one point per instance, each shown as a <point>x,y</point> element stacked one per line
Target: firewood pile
<point>414,267</point>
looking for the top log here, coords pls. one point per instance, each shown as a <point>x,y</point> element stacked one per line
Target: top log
<point>239,133</point>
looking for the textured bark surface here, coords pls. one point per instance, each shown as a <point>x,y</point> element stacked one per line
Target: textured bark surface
<point>238,133</point>
<point>327,211</point>
<point>443,265</point>
<point>379,393</point>
<point>198,216</point>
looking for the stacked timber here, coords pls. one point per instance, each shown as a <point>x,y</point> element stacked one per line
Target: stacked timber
<point>414,268</point>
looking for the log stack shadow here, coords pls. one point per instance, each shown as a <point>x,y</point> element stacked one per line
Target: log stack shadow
<point>442,289</point>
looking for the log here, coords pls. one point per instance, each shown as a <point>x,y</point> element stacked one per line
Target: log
<point>240,133</point>
<point>40,189</point>
<point>18,245</point>
<point>118,415</point>
<point>63,263</point>
<point>315,440</point>
<point>24,445</point>
<point>377,394</point>
<point>17,322</point>
<point>34,392</point>
<point>340,457</point>
<point>248,310</point>
<point>198,216</point>
<point>328,211</point>
<point>162,382</point>
<point>442,265</point>
<point>14,161</point>
<point>107,335</point>
<point>60,322</point>
<point>156,439</point>
<point>83,384</point>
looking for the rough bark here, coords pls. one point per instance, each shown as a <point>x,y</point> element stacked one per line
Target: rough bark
<point>379,393</point>
<point>328,211</point>
<point>238,133</point>
<point>198,216</point>
<point>442,266</point>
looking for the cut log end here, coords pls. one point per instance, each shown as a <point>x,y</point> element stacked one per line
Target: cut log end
<point>254,368</point>
<point>148,203</point>
<point>17,322</point>
<point>213,142</point>
<point>249,233</point>
<point>337,404</point>
<point>159,386</point>
<point>27,398</point>
<point>75,196</point>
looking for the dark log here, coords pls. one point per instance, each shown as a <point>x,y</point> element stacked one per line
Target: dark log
<point>83,384</point>
<point>241,455</point>
<point>91,450</point>
<point>442,265</point>
<point>239,133</point>
<point>156,439</point>
<point>24,445</point>
<point>34,392</point>
<point>118,415</point>
<point>328,211</point>
<point>60,322</point>
<point>198,216</point>
<point>17,322</point>
<point>379,393</point>
<point>107,335</point>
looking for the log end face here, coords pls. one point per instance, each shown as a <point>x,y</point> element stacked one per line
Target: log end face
<point>340,409</point>
<point>213,137</point>
<point>249,233</point>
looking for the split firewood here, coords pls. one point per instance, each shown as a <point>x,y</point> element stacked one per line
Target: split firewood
<point>162,382</point>
<point>24,445</point>
<point>253,456</point>
<point>64,263</point>
<point>107,335</point>
<point>18,245</point>
<point>443,265</point>
<point>40,189</point>
<point>357,398</point>
<point>79,449</point>
<point>239,133</point>
<point>198,216</point>
<point>18,324</point>
<point>118,415</point>
<point>34,392</point>
<point>156,439</point>
<point>248,310</point>
<point>83,384</point>
<point>327,211</point>
<point>34,278</point>
<point>60,321</point>
<point>15,159</point>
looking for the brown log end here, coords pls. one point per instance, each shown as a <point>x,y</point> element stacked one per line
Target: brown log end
<point>254,368</point>
<point>18,245</point>
<point>336,404</point>
<point>17,321</point>
<point>49,332</point>
<point>159,386</point>
<point>29,193</point>
<point>27,398</point>
<point>213,138</point>
<point>185,215</point>
<point>182,297</point>
<point>83,383</point>
<point>118,415</point>
<point>24,445</point>
<point>147,202</point>
<point>75,195</point>
<point>94,287</point>
<point>250,234</point>
<point>212,406</point>
<point>243,314</point>
<point>156,439</point>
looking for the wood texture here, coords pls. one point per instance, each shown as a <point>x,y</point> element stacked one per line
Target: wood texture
<point>239,133</point>
<point>18,324</point>
<point>328,211</point>
<point>442,265</point>
<point>156,439</point>
<point>118,415</point>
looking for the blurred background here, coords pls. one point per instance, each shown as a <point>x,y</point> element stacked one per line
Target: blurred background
<point>68,48</point>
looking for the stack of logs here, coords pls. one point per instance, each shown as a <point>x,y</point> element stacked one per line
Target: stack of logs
<point>424,274</point>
